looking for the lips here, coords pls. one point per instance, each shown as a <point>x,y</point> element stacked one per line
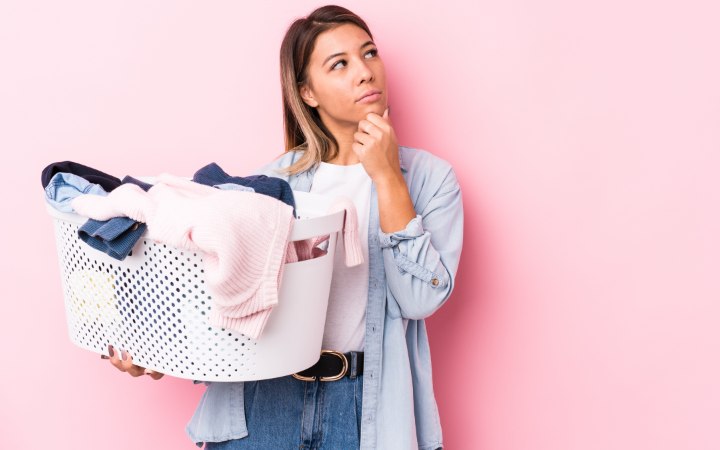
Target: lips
<point>369,96</point>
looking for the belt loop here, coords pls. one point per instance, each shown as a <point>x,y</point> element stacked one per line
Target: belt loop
<point>353,365</point>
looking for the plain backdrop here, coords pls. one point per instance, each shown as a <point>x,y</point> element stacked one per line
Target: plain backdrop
<point>586,138</point>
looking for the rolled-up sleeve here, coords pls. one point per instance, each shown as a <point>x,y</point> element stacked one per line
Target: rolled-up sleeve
<point>422,259</point>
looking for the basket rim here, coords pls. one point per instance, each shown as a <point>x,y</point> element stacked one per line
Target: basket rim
<point>303,228</point>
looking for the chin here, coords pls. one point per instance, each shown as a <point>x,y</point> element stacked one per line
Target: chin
<point>377,108</point>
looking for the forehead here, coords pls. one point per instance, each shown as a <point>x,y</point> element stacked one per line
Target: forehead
<point>344,38</point>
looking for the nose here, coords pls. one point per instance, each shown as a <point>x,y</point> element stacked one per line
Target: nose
<point>365,73</point>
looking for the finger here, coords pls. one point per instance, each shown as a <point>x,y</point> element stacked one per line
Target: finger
<point>129,367</point>
<point>359,150</point>
<point>379,121</point>
<point>363,138</point>
<point>153,374</point>
<point>115,358</point>
<point>386,114</point>
<point>371,129</point>
<point>365,126</point>
<point>136,371</point>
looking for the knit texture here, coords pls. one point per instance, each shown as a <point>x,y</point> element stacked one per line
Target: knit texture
<point>351,239</point>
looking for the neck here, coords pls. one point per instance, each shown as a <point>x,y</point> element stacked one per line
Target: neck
<point>344,135</point>
<point>345,157</point>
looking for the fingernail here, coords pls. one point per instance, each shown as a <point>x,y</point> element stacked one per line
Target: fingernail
<point>110,351</point>
<point>104,357</point>
<point>149,372</point>
<point>123,355</point>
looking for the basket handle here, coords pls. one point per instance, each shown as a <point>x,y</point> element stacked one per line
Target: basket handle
<point>317,226</point>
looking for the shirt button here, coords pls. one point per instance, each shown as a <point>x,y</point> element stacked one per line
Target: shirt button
<point>435,281</point>
<point>134,227</point>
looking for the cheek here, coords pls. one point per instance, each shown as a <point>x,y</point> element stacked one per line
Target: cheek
<point>380,75</point>
<point>335,97</point>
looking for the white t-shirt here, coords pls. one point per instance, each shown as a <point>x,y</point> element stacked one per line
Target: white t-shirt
<point>345,323</point>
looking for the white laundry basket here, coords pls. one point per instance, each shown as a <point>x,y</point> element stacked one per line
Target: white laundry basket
<point>155,304</point>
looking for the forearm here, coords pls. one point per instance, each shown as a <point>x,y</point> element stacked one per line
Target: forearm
<point>394,204</point>
<point>421,260</point>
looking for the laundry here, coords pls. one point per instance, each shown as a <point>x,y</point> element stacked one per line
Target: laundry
<point>213,174</point>
<point>63,187</point>
<point>116,236</point>
<point>243,237</point>
<point>108,182</point>
<point>351,240</point>
<point>233,186</point>
<point>306,249</point>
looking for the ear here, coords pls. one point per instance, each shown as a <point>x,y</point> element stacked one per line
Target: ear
<point>307,96</point>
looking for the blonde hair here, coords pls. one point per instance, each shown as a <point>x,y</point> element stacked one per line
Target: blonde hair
<point>303,128</point>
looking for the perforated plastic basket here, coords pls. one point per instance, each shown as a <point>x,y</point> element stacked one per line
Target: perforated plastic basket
<point>155,304</point>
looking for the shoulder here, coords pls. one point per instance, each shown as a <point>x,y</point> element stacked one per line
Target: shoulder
<point>425,169</point>
<point>418,159</point>
<point>275,167</point>
<point>431,181</point>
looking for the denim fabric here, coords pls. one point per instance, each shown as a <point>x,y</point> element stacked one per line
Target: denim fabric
<point>108,182</point>
<point>233,187</point>
<point>285,413</point>
<point>63,187</point>
<point>274,187</point>
<point>412,273</point>
<point>116,236</point>
<point>145,186</point>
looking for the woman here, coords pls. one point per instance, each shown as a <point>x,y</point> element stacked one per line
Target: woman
<point>339,140</point>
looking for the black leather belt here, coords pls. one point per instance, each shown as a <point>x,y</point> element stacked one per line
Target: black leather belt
<point>332,366</point>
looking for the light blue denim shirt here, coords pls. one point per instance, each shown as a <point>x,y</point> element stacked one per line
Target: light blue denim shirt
<point>412,273</point>
<point>63,187</point>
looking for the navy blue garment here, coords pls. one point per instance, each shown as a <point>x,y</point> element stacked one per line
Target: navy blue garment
<point>278,188</point>
<point>145,186</point>
<point>108,182</point>
<point>116,236</point>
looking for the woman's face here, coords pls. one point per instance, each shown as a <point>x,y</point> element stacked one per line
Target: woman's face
<point>345,77</point>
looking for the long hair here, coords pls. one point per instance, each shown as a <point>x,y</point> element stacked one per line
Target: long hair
<point>303,128</point>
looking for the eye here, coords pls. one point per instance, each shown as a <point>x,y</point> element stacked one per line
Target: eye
<point>337,65</point>
<point>371,53</point>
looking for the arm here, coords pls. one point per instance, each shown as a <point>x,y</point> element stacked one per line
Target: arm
<point>421,260</point>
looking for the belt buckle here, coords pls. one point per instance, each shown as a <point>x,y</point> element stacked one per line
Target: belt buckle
<point>345,364</point>
<point>342,373</point>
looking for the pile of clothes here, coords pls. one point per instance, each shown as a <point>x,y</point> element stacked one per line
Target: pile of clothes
<point>241,225</point>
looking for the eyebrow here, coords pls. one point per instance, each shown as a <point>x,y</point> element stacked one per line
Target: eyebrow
<point>342,53</point>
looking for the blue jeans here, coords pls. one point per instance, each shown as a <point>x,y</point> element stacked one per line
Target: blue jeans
<point>285,413</point>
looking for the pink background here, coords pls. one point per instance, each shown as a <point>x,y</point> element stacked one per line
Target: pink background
<point>586,138</point>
